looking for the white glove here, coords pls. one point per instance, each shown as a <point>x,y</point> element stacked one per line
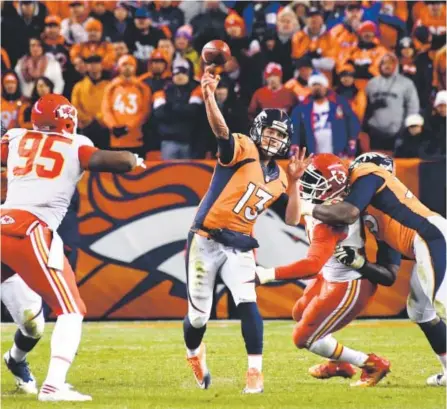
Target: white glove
<point>265,275</point>
<point>350,257</point>
<point>306,207</point>
<point>140,161</point>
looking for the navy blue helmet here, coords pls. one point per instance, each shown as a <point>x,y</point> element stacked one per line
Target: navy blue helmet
<point>275,119</point>
<point>384,161</point>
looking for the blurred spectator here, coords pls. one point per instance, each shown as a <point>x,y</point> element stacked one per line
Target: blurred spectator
<point>314,42</point>
<point>36,64</point>
<point>417,67</point>
<point>43,86</point>
<point>209,24</point>
<point>356,97</point>
<point>439,69</point>
<point>299,85</point>
<point>324,122</point>
<point>413,139</point>
<point>6,62</point>
<point>366,55</point>
<point>13,41</point>
<point>72,27</point>
<point>259,17</point>
<point>80,70</point>
<point>87,97</point>
<point>437,126</point>
<point>119,23</point>
<point>344,34</point>
<point>94,45</point>
<point>126,106</point>
<point>99,12</point>
<point>169,15</point>
<point>141,38</point>
<point>433,17</point>
<point>332,13</point>
<point>300,8</point>
<point>392,22</point>
<point>12,100</point>
<point>32,15</point>
<point>391,98</point>
<point>120,48</point>
<point>177,110</point>
<point>273,95</point>
<point>158,74</point>
<point>184,48</point>
<point>236,37</point>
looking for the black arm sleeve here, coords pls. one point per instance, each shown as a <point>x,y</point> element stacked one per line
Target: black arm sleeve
<point>363,190</point>
<point>226,149</point>
<point>386,255</point>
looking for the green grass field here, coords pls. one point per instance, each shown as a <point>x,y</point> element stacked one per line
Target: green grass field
<point>132,365</point>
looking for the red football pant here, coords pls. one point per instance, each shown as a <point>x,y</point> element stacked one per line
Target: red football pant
<point>27,255</point>
<point>326,307</point>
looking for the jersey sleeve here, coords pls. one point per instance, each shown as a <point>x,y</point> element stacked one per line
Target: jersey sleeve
<point>322,247</point>
<point>243,148</point>
<point>386,255</point>
<point>363,190</point>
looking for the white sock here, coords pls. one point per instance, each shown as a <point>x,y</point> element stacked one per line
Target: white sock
<point>328,347</point>
<point>192,352</point>
<point>255,361</point>
<point>442,360</point>
<point>17,354</point>
<point>64,344</point>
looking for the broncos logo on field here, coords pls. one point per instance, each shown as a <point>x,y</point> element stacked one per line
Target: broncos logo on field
<point>134,228</point>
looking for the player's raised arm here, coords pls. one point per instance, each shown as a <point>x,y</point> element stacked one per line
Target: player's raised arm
<point>108,161</point>
<point>216,120</point>
<point>295,169</point>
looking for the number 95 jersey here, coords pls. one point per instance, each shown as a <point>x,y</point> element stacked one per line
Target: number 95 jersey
<point>240,190</point>
<point>43,170</point>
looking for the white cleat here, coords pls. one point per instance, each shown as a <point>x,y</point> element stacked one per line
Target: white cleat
<point>49,393</point>
<point>25,381</point>
<point>436,380</point>
<point>255,382</point>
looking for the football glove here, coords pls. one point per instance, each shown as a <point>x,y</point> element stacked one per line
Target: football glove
<point>350,257</point>
<point>139,162</point>
<point>264,275</point>
<point>306,207</point>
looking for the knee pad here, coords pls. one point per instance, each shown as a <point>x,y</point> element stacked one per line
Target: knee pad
<point>299,339</point>
<point>33,324</point>
<point>419,314</point>
<point>198,321</point>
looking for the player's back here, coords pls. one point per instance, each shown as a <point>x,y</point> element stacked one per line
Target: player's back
<point>42,170</point>
<point>394,215</point>
<point>352,236</point>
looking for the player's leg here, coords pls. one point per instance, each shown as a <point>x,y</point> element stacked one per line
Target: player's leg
<point>312,290</point>
<point>203,260</point>
<point>238,274</point>
<point>336,306</point>
<point>426,304</point>
<point>25,307</point>
<point>29,256</point>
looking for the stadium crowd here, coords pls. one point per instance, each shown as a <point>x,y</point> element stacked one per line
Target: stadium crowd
<point>354,75</point>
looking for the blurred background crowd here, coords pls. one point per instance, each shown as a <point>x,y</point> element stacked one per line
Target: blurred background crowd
<point>354,75</point>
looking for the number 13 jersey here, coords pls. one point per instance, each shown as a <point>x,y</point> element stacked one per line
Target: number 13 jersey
<point>240,190</point>
<point>43,170</point>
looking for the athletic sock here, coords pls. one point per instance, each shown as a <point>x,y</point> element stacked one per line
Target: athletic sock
<point>193,336</point>
<point>436,336</point>
<point>255,361</point>
<point>22,345</point>
<point>64,344</point>
<point>328,347</point>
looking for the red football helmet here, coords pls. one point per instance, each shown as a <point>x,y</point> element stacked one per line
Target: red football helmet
<point>54,113</point>
<point>325,178</point>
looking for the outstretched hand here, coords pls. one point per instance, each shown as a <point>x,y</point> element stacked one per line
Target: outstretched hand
<point>209,81</point>
<point>298,164</point>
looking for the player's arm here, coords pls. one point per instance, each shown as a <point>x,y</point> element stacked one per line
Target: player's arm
<point>324,242</point>
<point>347,212</point>
<point>215,118</point>
<point>383,272</point>
<point>98,160</point>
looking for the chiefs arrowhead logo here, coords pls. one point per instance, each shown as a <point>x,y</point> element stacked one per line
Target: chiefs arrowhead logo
<point>7,220</point>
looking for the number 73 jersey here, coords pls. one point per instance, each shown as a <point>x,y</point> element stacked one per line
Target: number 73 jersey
<point>43,170</point>
<point>239,190</point>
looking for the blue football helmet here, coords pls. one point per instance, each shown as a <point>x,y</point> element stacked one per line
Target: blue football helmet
<point>384,161</point>
<point>275,119</point>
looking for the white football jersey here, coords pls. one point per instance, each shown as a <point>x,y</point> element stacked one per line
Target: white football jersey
<point>43,169</point>
<point>333,270</point>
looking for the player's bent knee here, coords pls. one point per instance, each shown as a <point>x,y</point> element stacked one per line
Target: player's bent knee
<point>419,314</point>
<point>198,321</point>
<point>299,337</point>
<point>33,325</point>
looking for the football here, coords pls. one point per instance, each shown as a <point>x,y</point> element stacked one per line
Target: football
<point>216,52</point>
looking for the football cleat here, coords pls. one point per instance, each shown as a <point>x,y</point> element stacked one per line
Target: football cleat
<point>331,369</point>
<point>199,368</point>
<point>25,380</point>
<point>437,380</point>
<point>373,371</point>
<point>49,393</point>
<point>255,381</point>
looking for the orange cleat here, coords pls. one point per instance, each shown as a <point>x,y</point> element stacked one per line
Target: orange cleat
<point>255,381</point>
<point>373,371</point>
<point>331,369</point>
<point>199,368</point>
